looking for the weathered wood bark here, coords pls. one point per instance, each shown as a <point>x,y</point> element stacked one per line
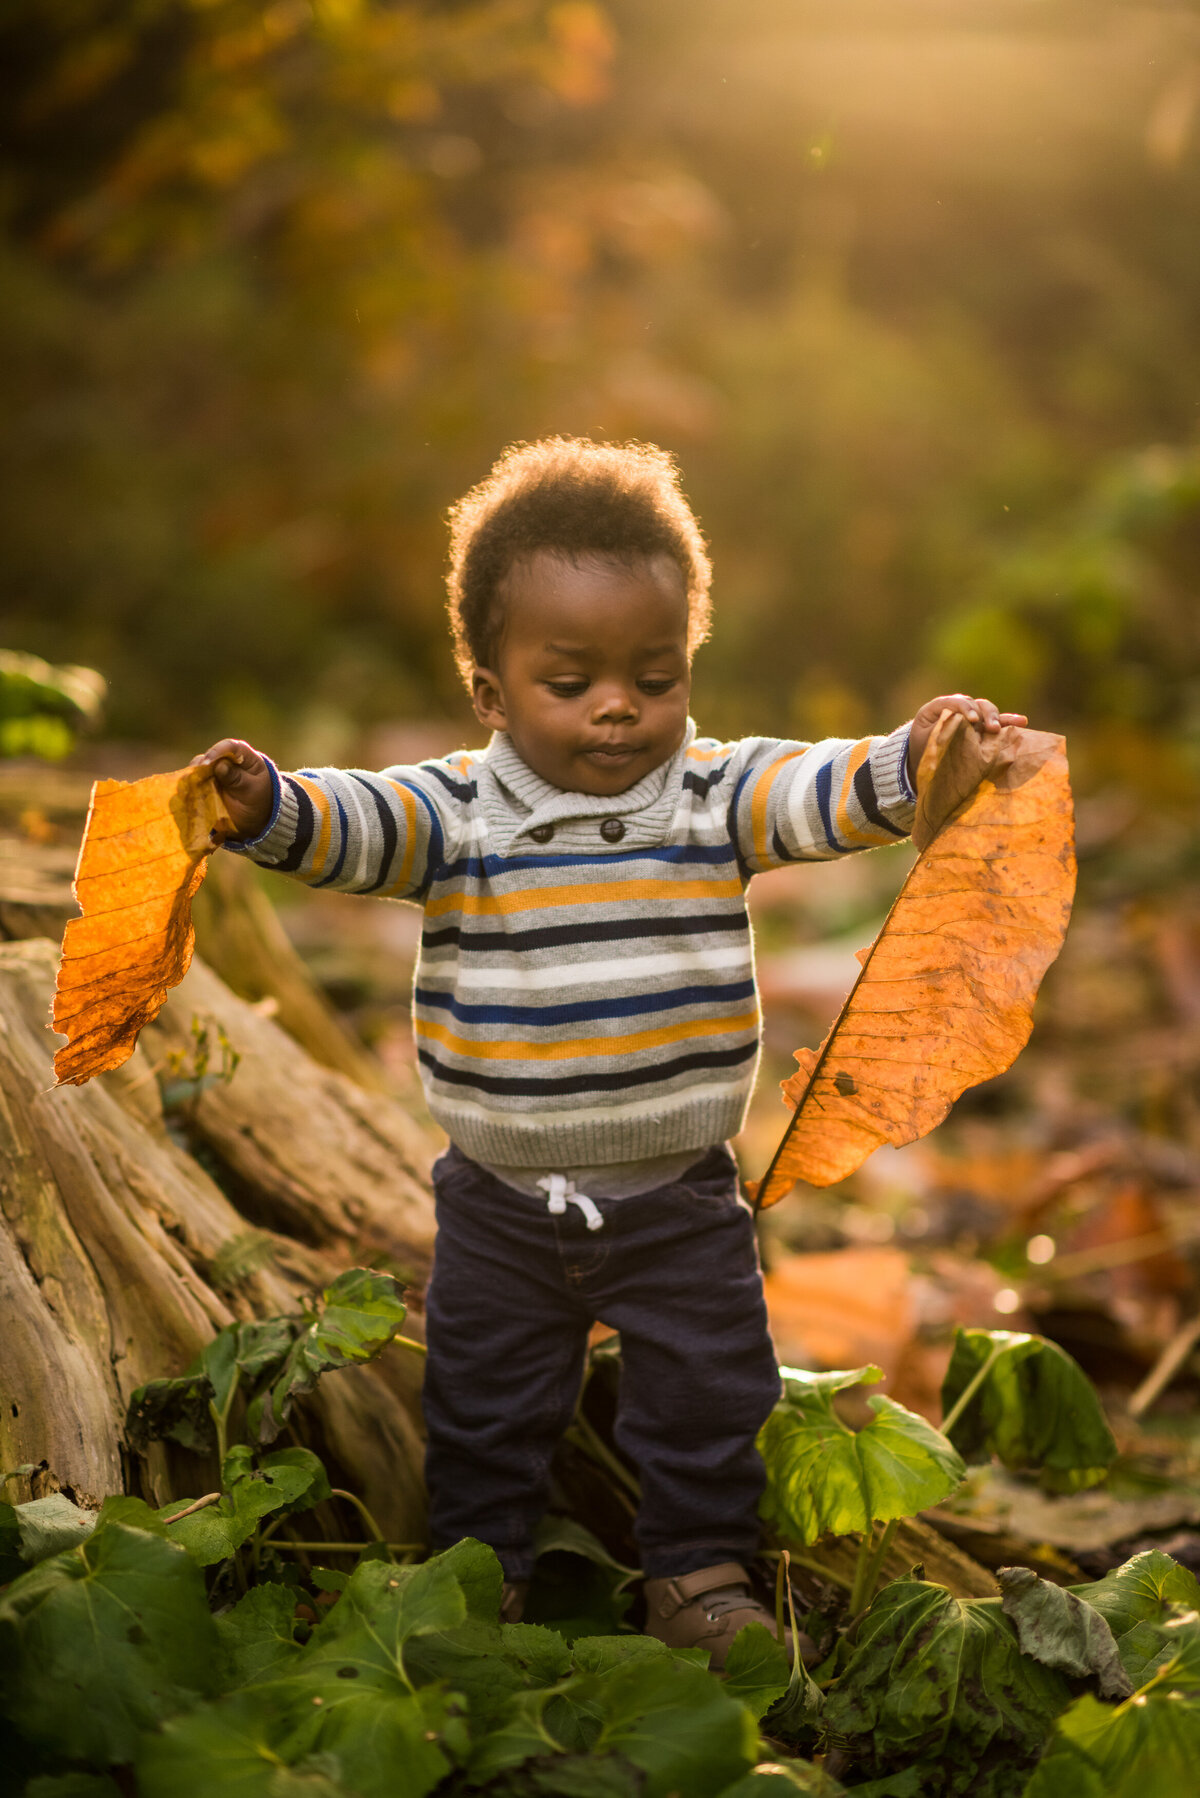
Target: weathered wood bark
<point>120,1255</point>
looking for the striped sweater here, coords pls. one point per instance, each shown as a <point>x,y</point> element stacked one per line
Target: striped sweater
<point>585,989</point>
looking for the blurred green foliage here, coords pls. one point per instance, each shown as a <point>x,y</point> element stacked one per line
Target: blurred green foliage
<point>909,286</point>
<point>43,708</point>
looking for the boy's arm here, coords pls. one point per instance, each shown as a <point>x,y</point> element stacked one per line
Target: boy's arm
<point>812,802</point>
<point>797,802</point>
<point>345,828</point>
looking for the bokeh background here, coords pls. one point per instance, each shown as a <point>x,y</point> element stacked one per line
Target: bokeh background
<point>912,289</point>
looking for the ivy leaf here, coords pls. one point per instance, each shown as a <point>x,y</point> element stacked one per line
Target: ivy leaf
<point>822,1476</point>
<point>1137,1601</point>
<point>1035,1409</point>
<point>1059,1629</point>
<point>103,1642</point>
<point>756,1669</point>
<point>942,1681</point>
<point>360,1314</point>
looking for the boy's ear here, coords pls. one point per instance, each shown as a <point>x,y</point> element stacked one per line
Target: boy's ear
<point>488,699</point>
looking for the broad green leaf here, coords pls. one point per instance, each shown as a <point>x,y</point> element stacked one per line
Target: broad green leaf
<point>232,1748</point>
<point>669,1718</point>
<point>570,1776</point>
<point>672,1720</point>
<point>776,1779</point>
<point>942,1680</point>
<point>360,1313</point>
<point>1057,1628</point>
<point>479,1574</point>
<point>33,1532</point>
<point>822,1476</point>
<point>1148,1747</point>
<point>382,1743</point>
<point>1140,1591</point>
<point>1141,1602</point>
<point>218,1530</point>
<point>1035,1409</point>
<point>382,1609</point>
<point>103,1642</point>
<point>563,1535</point>
<point>256,1636</point>
<point>600,1654</point>
<point>756,1668</point>
<point>178,1409</point>
<point>541,1654</point>
<point>470,1658</point>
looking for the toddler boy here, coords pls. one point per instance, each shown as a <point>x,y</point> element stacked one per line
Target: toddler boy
<point>585,1007</point>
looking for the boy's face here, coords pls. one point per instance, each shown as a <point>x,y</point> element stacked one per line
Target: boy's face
<point>592,677</point>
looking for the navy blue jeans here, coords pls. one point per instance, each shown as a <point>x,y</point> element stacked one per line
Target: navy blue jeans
<point>513,1294</point>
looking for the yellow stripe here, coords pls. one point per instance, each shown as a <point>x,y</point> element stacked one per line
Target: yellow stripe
<point>590,1045</point>
<point>322,849</point>
<point>704,755</point>
<point>851,832</point>
<point>606,893</point>
<point>758,804</point>
<point>410,838</point>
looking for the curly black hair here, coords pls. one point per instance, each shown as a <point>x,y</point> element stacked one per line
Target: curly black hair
<point>574,497</point>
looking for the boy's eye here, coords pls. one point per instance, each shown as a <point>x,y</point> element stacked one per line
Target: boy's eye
<point>663,685</point>
<point>567,689</point>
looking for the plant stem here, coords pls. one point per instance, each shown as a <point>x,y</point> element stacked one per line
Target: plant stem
<point>875,1563</point>
<point>210,1498</point>
<point>592,1443</point>
<point>353,1548</point>
<point>373,1528</point>
<point>410,1342</point>
<point>782,1574</point>
<point>826,1573</point>
<point>971,1388</point>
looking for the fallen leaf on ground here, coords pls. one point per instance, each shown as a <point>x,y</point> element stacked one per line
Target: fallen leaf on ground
<point>946,993</point>
<point>143,857</point>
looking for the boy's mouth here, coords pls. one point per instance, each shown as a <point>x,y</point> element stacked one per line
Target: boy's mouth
<point>613,753</point>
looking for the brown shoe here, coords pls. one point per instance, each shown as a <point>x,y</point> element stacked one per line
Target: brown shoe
<point>706,1609</point>
<point>512,1600</point>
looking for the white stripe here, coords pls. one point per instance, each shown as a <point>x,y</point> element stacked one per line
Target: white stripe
<point>597,1114</point>
<point>616,971</point>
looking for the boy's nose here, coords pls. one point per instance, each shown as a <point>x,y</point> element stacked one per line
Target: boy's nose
<point>615,702</point>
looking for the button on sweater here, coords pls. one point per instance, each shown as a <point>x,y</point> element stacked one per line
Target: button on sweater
<point>585,994</point>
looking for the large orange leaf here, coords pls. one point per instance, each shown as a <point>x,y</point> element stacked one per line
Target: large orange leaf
<point>945,997</point>
<point>143,856</point>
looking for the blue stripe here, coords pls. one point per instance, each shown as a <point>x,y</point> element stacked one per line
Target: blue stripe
<point>387,830</point>
<point>824,786</point>
<point>327,880</point>
<point>864,788</point>
<point>487,867</point>
<point>702,784</point>
<point>584,1010</point>
<point>437,843</point>
<point>731,819</point>
<point>461,789</point>
<point>305,827</point>
<point>565,1085</point>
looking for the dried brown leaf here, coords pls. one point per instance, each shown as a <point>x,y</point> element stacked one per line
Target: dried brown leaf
<point>945,997</point>
<point>142,858</point>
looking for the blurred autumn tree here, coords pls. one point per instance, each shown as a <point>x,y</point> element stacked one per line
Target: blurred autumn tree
<point>909,286</point>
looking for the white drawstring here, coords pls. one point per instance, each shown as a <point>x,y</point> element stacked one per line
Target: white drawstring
<point>562,1192</point>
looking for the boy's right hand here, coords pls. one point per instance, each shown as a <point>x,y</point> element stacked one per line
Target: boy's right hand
<point>245,782</point>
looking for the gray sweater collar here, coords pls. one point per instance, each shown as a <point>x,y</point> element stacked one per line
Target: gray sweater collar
<point>516,801</point>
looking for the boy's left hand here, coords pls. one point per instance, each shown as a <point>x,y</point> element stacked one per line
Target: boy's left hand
<point>979,712</point>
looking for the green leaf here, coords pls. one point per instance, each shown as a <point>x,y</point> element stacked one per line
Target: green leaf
<point>360,1314</point>
<point>600,1654</point>
<point>541,1654</point>
<point>282,1483</point>
<point>256,1636</point>
<point>776,1779</point>
<point>178,1409</point>
<point>756,1668</point>
<point>381,1743</point>
<point>563,1535</point>
<point>382,1609</point>
<point>822,1476</point>
<point>1141,1590</point>
<point>1057,1628</point>
<point>102,1642</point>
<point>570,1776</point>
<point>234,1748</point>
<point>942,1679</point>
<point>669,1718</point>
<point>1148,1747</point>
<point>33,1532</point>
<point>1035,1409</point>
<point>479,1574</point>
